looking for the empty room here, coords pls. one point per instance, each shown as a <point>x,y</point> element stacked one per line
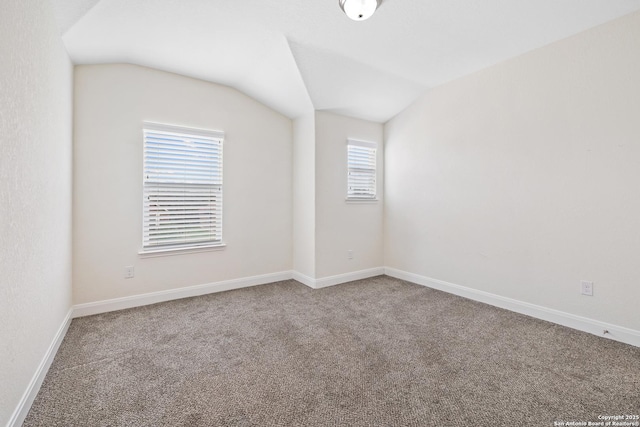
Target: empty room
<point>320,213</point>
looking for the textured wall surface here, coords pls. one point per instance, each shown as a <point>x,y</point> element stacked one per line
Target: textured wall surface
<point>35,192</point>
<point>340,225</point>
<point>522,180</point>
<point>111,103</point>
<point>304,195</point>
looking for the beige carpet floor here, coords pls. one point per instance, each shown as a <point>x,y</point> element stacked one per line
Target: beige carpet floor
<point>376,352</point>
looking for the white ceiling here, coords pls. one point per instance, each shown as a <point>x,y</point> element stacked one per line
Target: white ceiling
<point>294,55</point>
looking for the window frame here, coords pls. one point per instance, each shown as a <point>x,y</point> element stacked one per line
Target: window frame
<point>366,145</point>
<point>193,188</point>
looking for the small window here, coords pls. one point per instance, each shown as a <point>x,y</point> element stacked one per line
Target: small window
<point>361,162</point>
<point>182,207</point>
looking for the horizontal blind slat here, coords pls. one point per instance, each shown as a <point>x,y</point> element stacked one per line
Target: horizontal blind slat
<point>182,187</point>
<point>361,176</point>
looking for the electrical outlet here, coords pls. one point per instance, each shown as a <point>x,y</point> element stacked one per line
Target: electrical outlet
<point>128,272</point>
<point>350,254</point>
<point>586,288</point>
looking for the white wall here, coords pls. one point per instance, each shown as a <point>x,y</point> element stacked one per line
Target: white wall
<point>111,102</point>
<point>35,192</point>
<point>304,213</point>
<point>340,225</point>
<point>522,179</point>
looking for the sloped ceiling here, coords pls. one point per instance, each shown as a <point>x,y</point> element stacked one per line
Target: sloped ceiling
<point>295,55</point>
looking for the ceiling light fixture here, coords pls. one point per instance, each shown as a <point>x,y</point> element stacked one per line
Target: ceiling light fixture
<point>359,10</point>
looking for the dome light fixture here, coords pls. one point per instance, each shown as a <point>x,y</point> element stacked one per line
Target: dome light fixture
<point>359,10</point>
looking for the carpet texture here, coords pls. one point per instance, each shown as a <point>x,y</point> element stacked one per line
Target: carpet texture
<point>376,352</point>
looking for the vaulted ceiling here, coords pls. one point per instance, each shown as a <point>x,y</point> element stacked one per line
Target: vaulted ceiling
<point>297,55</point>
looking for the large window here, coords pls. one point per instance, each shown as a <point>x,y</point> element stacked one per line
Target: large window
<point>182,206</point>
<point>361,163</point>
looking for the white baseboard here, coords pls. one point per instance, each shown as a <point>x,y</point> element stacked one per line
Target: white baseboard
<point>305,280</point>
<point>595,327</point>
<point>115,304</point>
<point>337,279</point>
<point>98,307</point>
<point>21,411</point>
<point>348,277</point>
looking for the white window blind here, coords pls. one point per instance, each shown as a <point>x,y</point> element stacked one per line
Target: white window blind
<point>182,205</point>
<point>361,162</point>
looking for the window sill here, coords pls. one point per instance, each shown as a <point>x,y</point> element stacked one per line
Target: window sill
<point>180,251</point>
<point>361,200</point>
